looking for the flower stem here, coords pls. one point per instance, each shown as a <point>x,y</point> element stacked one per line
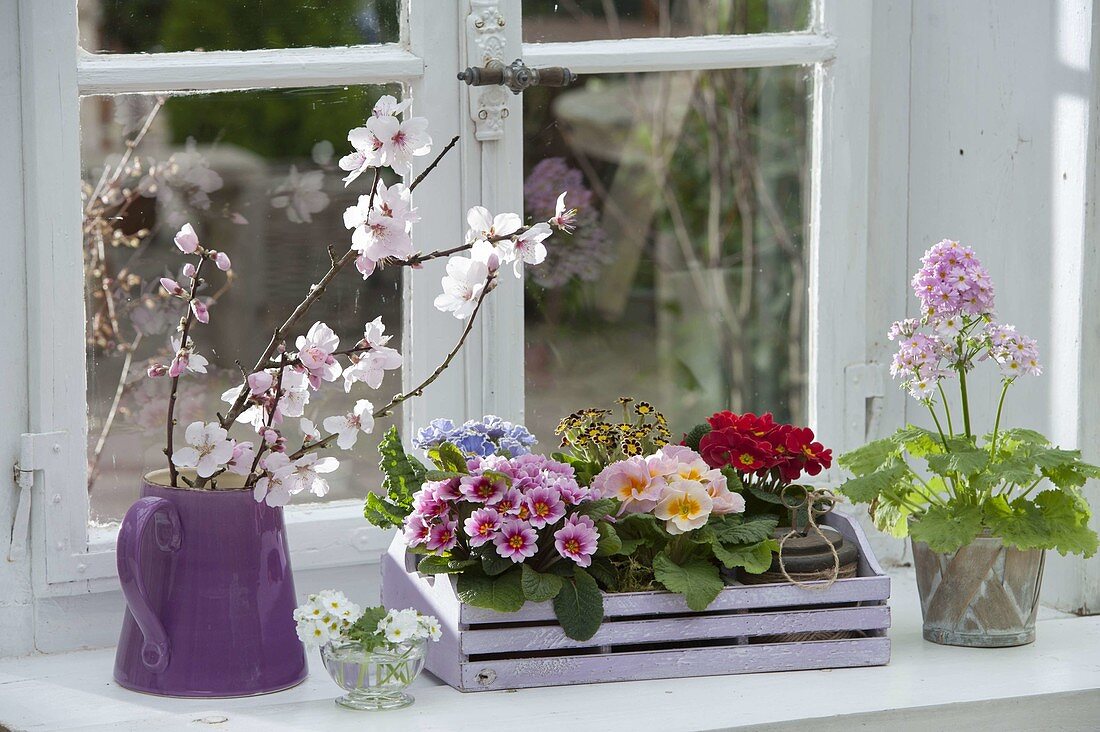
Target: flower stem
<point>932,411</point>
<point>188,319</point>
<point>946,409</point>
<point>965,400</point>
<point>418,390</point>
<point>997,422</point>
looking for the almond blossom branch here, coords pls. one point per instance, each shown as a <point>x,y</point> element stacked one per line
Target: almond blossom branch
<point>188,319</point>
<point>418,390</point>
<point>434,163</point>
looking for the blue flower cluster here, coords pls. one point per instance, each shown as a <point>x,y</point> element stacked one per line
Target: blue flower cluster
<point>488,436</point>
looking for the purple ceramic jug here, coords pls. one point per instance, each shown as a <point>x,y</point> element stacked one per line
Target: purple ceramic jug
<point>209,595</point>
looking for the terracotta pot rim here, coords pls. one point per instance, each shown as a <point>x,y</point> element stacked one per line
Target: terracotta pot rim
<point>161,481</point>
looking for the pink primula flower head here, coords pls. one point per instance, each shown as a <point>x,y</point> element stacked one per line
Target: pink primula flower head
<point>186,239</point>
<point>482,488</point>
<point>442,536</point>
<point>415,530</point>
<point>510,502</point>
<point>482,526</point>
<point>577,540</point>
<point>516,541</point>
<point>544,506</point>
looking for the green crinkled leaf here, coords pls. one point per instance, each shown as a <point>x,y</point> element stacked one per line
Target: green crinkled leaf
<point>638,529</point>
<point>947,528</point>
<point>918,441</point>
<point>497,476</point>
<point>503,593</point>
<point>404,476</point>
<point>1053,520</point>
<point>965,462</point>
<point>890,516</point>
<point>579,606</point>
<point>599,508</point>
<point>697,433</point>
<point>603,571</point>
<point>866,488</point>
<point>539,587</point>
<point>434,564</point>
<point>1017,469</point>
<point>609,543</point>
<point>493,564</point>
<point>734,481</point>
<point>1053,457</point>
<point>735,529</point>
<point>380,512</point>
<point>448,457</point>
<point>764,495</point>
<point>365,628</point>
<point>755,558</point>
<point>438,475</point>
<point>870,457</point>
<point>696,579</point>
<point>1020,435</point>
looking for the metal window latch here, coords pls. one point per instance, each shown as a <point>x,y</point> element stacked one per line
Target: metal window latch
<point>516,76</point>
<point>37,451</point>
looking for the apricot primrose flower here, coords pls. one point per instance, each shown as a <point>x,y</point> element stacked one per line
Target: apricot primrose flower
<point>685,505</point>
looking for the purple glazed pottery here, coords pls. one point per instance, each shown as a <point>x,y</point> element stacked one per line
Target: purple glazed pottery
<point>209,595</point>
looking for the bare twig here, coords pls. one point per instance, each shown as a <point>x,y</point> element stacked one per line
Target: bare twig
<point>108,421</point>
<point>417,390</point>
<point>188,319</point>
<point>434,163</point>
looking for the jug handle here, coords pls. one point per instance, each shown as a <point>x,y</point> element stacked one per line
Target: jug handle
<point>155,652</point>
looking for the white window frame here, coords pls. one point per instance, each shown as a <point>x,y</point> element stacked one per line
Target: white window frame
<point>69,558</point>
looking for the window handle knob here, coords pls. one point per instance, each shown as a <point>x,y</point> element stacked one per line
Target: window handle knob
<point>517,75</point>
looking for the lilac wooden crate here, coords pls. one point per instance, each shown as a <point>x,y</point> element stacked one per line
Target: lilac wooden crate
<point>652,635</point>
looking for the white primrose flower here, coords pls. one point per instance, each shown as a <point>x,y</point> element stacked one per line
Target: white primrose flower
<point>462,286</point>
<point>336,604</point>
<point>348,427</point>
<point>304,474</point>
<point>208,449</point>
<point>400,626</point>
<point>430,627</point>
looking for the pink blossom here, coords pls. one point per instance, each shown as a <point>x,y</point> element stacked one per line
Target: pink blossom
<point>462,286</point>
<point>221,260</point>
<point>186,239</point>
<point>315,353</point>
<point>370,367</point>
<point>260,381</point>
<point>510,502</point>
<point>365,265</point>
<point>189,270</point>
<point>241,461</point>
<point>577,540</point>
<point>415,530</point>
<point>185,360</point>
<point>952,281</point>
<point>482,489</point>
<point>400,141</point>
<point>544,506</point>
<point>208,449</point>
<point>198,307</point>
<point>428,504</point>
<point>156,370</point>
<point>482,526</point>
<point>171,287</point>
<point>516,540</point>
<point>442,536</point>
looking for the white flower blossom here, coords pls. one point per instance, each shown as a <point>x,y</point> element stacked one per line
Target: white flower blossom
<point>304,474</point>
<point>301,195</point>
<point>462,286</point>
<point>208,449</point>
<point>348,426</point>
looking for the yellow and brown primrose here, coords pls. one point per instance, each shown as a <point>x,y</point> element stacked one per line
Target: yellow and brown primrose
<point>590,435</point>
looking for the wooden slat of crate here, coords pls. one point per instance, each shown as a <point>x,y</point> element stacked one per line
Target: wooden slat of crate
<point>658,630</point>
<point>523,673</point>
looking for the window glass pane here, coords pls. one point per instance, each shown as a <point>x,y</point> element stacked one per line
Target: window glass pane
<point>545,21</point>
<point>256,174</point>
<point>685,283</point>
<point>136,26</point>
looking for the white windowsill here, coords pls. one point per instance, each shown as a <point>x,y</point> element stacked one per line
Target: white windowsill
<point>1052,684</point>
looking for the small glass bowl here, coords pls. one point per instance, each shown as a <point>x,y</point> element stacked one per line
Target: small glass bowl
<point>377,679</point>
